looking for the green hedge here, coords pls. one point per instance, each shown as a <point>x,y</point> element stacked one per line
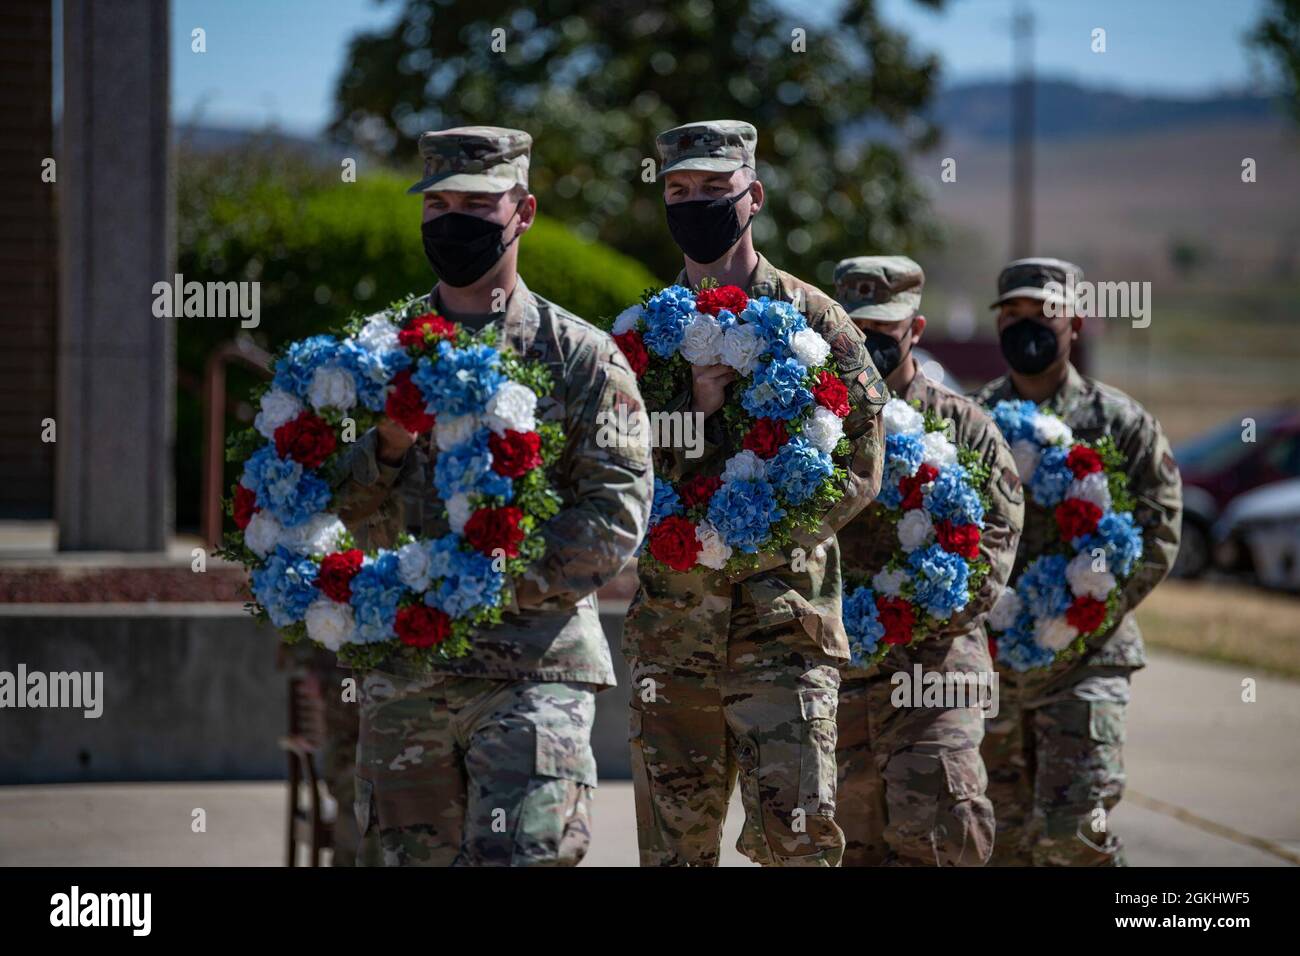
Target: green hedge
<point>321,249</point>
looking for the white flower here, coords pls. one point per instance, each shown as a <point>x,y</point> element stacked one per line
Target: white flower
<point>459,511</point>
<point>512,408</point>
<point>824,429</point>
<point>1094,488</point>
<point>1026,455</point>
<point>330,623</point>
<point>627,319</point>
<point>744,466</point>
<point>714,552</point>
<point>1085,582</point>
<point>1050,430</point>
<point>741,347</point>
<point>453,431</point>
<point>1054,633</point>
<point>1005,610</point>
<point>889,583</point>
<point>379,334</point>
<point>331,388</point>
<point>317,536</point>
<point>262,534</point>
<point>915,529</point>
<point>413,565</point>
<point>278,407</point>
<point>809,348</point>
<point>939,452</point>
<point>702,340</point>
<point>901,418</point>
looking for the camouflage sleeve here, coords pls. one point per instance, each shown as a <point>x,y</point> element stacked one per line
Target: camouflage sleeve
<point>1158,494</point>
<point>680,458</point>
<point>605,476</point>
<point>1004,519</point>
<point>367,494</point>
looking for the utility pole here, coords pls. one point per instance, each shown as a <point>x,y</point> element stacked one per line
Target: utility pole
<point>1022,134</point>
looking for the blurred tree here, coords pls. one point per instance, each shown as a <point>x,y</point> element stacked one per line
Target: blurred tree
<point>837,104</point>
<point>1278,36</point>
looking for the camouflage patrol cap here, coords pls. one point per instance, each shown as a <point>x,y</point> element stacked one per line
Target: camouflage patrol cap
<point>474,159</point>
<point>716,146</point>
<point>879,288</point>
<point>1028,278</point>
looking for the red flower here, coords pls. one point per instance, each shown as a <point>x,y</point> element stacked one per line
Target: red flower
<point>421,626</point>
<point>673,542</point>
<point>307,439</point>
<point>633,349</point>
<point>1076,517</point>
<point>897,617</point>
<point>336,573</point>
<point>729,297</point>
<point>515,452</point>
<point>435,325</point>
<point>405,405</point>
<point>766,437</point>
<point>1082,460</point>
<point>1086,614</point>
<point>491,529</point>
<point>911,487</point>
<point>960,539</point>
<point>698,490</point>
<point>831,393</point>
<point>245,506</point>
<point>993,647</point>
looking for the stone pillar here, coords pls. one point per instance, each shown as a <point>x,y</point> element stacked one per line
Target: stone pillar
<point>116,239</point>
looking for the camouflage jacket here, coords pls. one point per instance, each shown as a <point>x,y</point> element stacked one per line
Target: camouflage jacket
<point>551,630</point>
<point>870,540</point>
<point>773,592</point>
<point>1094,410</point>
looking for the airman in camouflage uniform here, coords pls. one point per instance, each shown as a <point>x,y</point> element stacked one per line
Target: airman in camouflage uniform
<point>911,781</point>
<point>488,760</point>
<point>1054,753</point>
<point>738,673</point>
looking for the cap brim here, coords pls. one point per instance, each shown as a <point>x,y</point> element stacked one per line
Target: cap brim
<point>1029,292</point>
<point>464,183</point>
<point>896,310</point>
<point>703,163</point>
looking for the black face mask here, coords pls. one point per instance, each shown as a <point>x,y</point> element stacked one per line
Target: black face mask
<point>886,351</point>
<point>705,229</point>
<point>1029,347</point>
<point>462,248</point>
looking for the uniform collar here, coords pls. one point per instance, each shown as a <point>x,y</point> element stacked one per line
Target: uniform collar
<point>521,318</point>
<point>765,280</point>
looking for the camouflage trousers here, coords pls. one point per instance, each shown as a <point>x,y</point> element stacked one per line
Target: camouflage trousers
<point>911,781</point>
<point>1056,770</point>
<point>765,716</point>
<point>459,771</point>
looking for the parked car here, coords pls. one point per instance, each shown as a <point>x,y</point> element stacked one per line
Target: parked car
<point>1221,465</point>
<point>1259,532</point>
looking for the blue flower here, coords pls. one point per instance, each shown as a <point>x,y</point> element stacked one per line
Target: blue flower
<point>1120,538</point>
<point>467,468</point>
<point>371,371</point>
<point>376,590</point>
<point>778,390</point>
<point>903,456</point>
<point>940,581</point>
<point>1015,419</point>
<point>1052,477</point>
<point>666,316</point>
<point>294,371</point>
<point>952,497</point>
<point>1043,587</point>
<point>862,624</point>
<point>471,582</point>
<point>776,319</point>
<point>799,470</point>
<point>290,494</point>
<point>1018,650</point>
<point>726,318</point>
<point>442,555</point>
<point>743,512</point>
<point>285,586</point>
<point>459,381</point>
<point>666,502</point>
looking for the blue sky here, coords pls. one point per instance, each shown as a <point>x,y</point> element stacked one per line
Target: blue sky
<point>277,61</point>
